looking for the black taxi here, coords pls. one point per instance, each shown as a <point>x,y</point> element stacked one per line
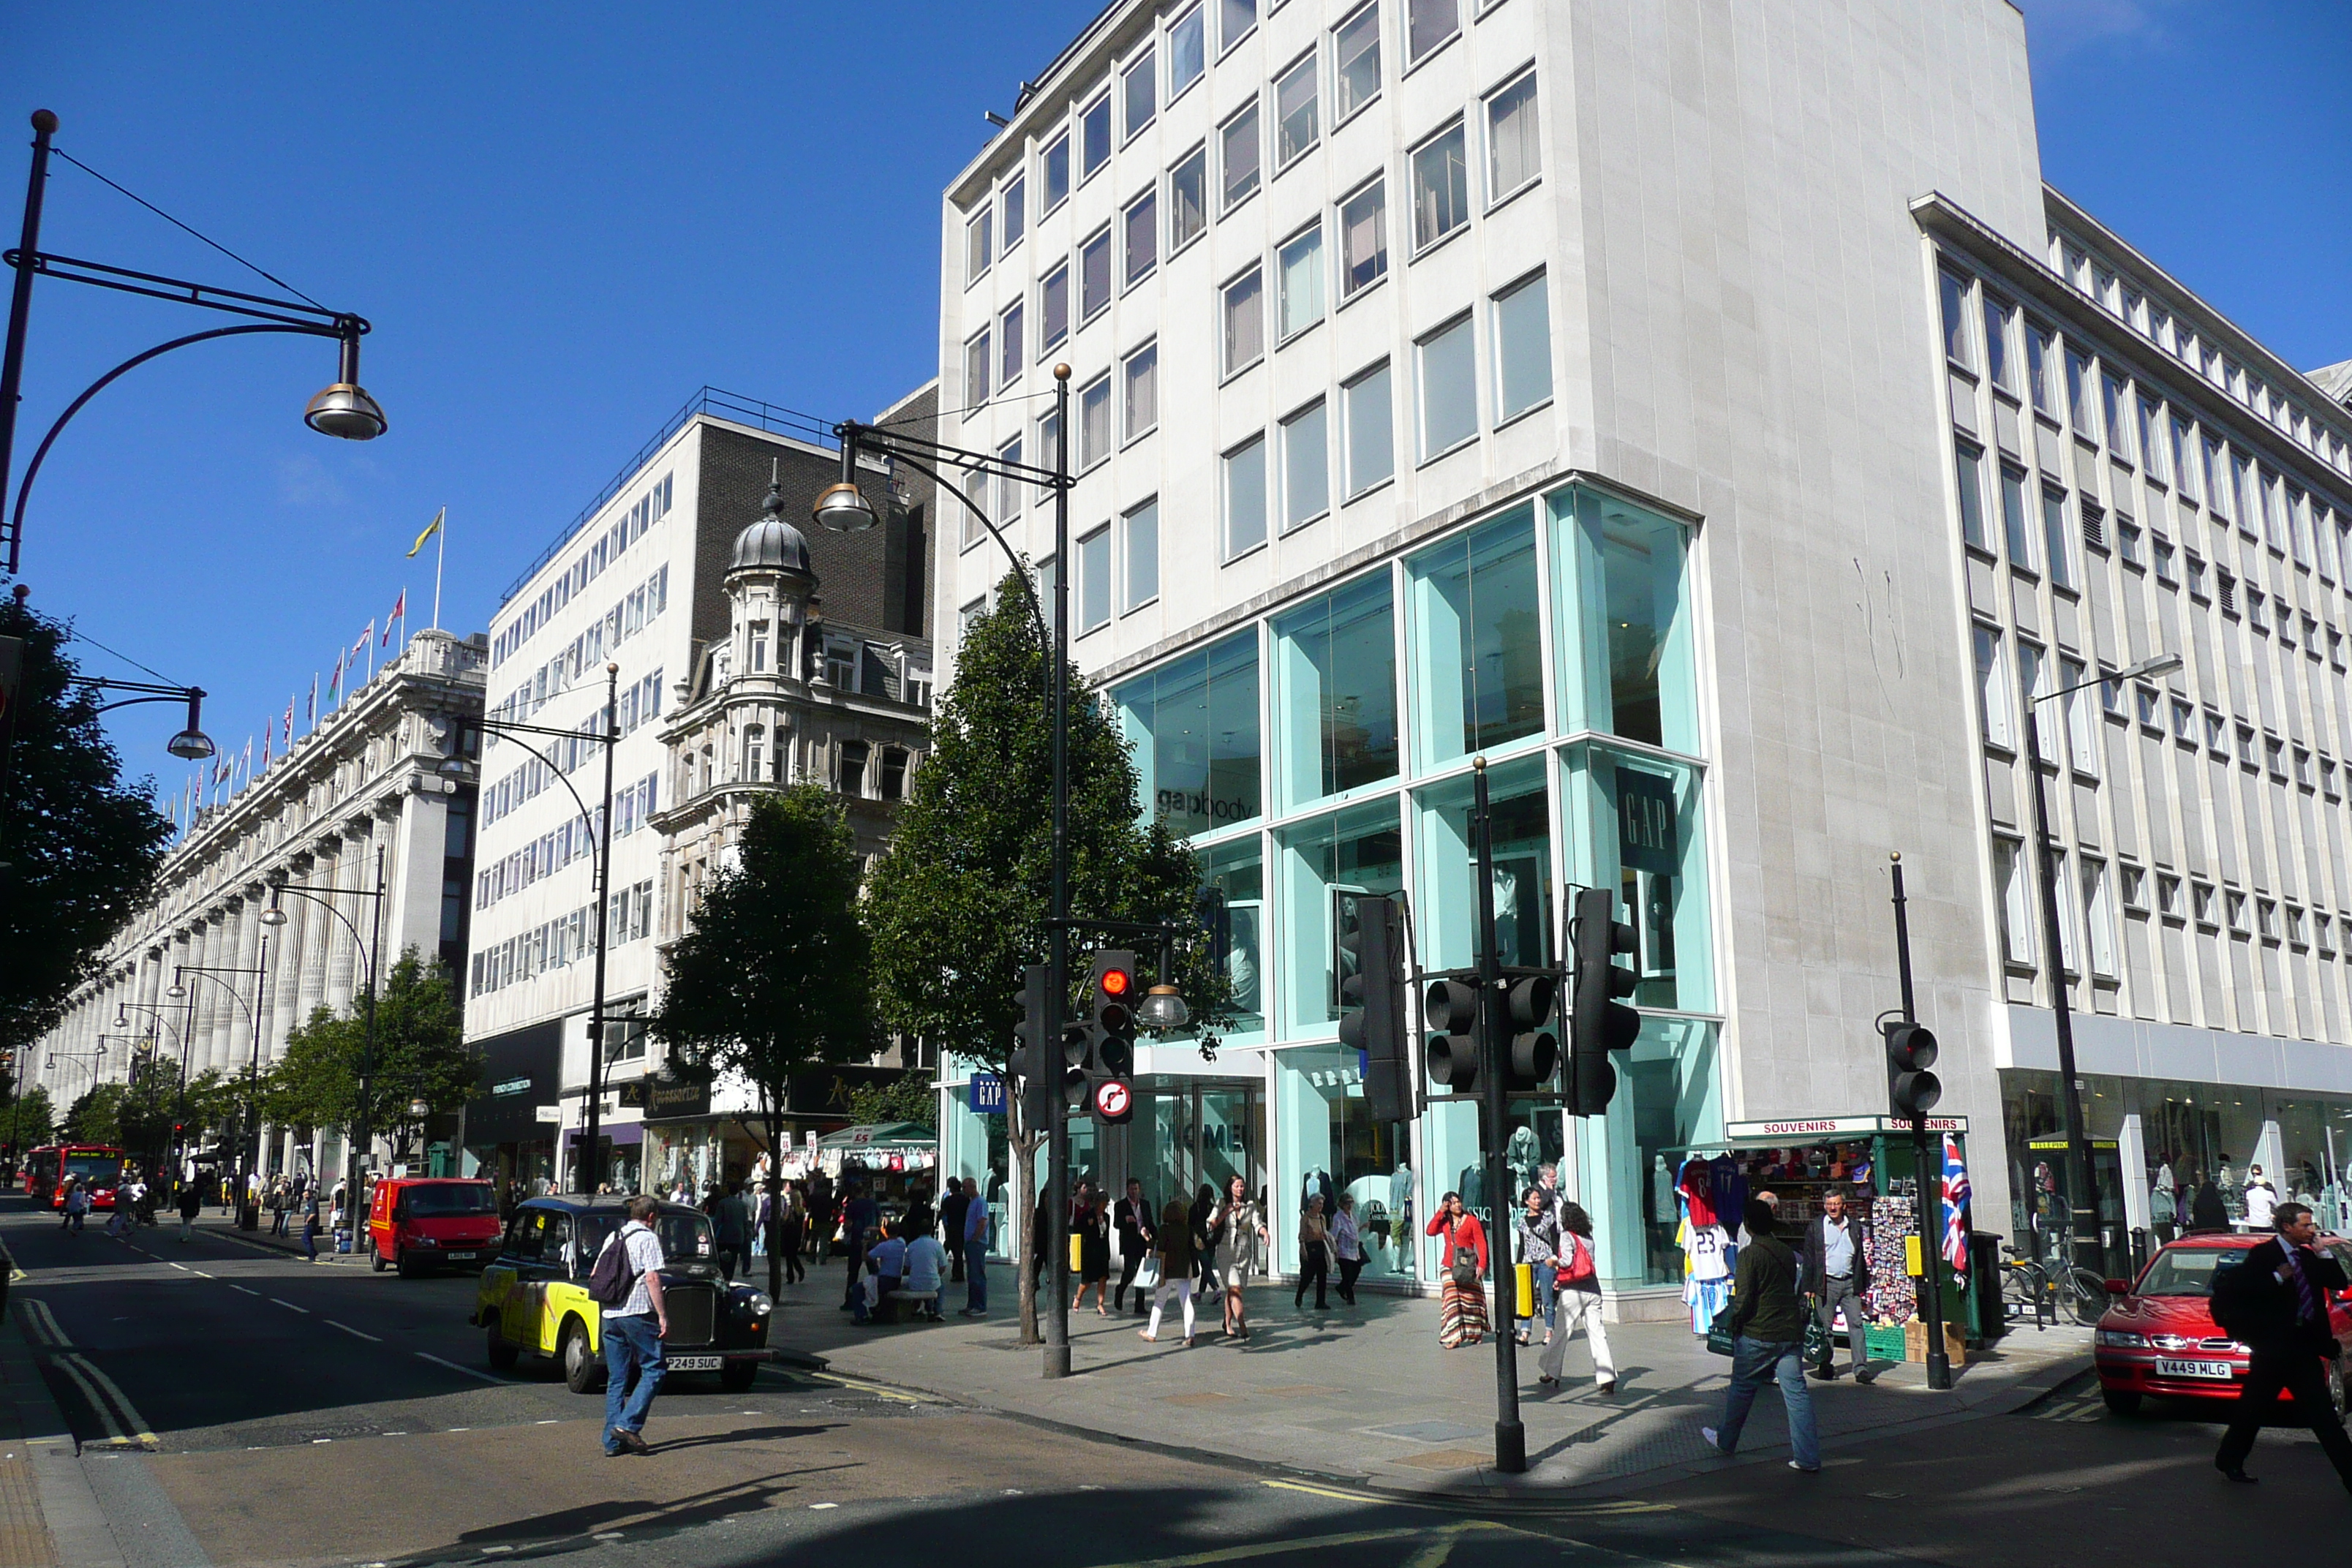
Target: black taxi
<point>533,1298</point>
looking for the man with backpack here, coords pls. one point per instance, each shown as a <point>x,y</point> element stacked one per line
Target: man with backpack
<point>626,1282</point>
<point>2275,1302</point>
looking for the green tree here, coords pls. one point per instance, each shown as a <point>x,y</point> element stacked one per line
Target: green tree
<point>958,903</point>
<point>420,1054</point>
<point>79,847</point>
<point>96,1116</point>
<point>773,974</point>
<point>913,1097</point>
<point>26,1120</point>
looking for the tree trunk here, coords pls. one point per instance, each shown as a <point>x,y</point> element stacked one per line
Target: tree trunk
<point>1020,1206</point>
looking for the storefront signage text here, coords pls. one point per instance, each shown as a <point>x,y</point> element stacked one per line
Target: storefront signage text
<point>511,1086</point>
<point>987,1094</point>
<point>1836,1126</point>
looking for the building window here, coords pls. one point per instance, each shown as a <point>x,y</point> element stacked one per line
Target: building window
<point>1297,126</point>
<point>1094,422</point>
<point>1336,659</point>
<point>977,253</point>
<point>893,773</point>
<point>1054,172</point>
<point>2054,540</point>
<point>2233,905</point>
<point>1953,291</point>
<point>1141,380</point>
<point>1094,276</point>
<point>1141,549</point>
<point>1235,19</point>
<point>969,614</point>
<point>1053,308</point>
<point>841,665</point>
<point>1305,466</point>
<point>1194,724</point>
<point>2095,525</point>
<point>1143,227</point>
<point>1238,155</point>
<point>1016,203</point>
<point>2151,440</point>
<point>759,660</point>
<point>1441,188</point>
<point>755,756</point>
<point>2016,901</point>
<point>1356,62</point>
<point>1371,429</point>
<point>1429,23</point>
<point>1093,580</point>
<point>2101,918</point>
<point>2184,722</point>
<point>1513,150</point>
<point>1188,200</point>
<point>1969,476</point>
<point>1010,494</point>
<point>1142,84</point>
<point>1301,273</point>
<point>2196,589</point>
<point>2207,904</point>
<point>849,768</point>
<point>1245,311</point>
<point>1009,346</point>
<point>1996,330</point>
<point>2078,401</point>
<point>1245,497</point>
<point>2040,346</point>
<point>2167,898</point>
<point>1449,388</point>
<point>2134,888</point>
<point>1364,238</point>
<point>1476,663</point>
<point>1094,135</point>
<point>2168,566</point>
<point>1187,51</point>
<point>2014,519</point>
<point>975,369</point>
<point>1522,347</point>
<point>2080,740</point>
<point>1992,689</point>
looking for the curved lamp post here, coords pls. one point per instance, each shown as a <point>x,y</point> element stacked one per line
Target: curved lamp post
<point>342,408</point>
<point>274,918</point>
<point>215,973</point>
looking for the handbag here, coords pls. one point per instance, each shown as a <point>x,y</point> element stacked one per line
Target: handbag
<point>1147,1276</point>
<point>1578,1264</point>
<point>1718,1332</point>
<point>1465,1268</point>
<point>1817,1349</point>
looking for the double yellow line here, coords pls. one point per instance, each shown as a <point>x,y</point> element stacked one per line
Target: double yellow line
<point>124,1426</point>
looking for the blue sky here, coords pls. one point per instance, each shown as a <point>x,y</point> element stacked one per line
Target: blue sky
<point>564,222</point>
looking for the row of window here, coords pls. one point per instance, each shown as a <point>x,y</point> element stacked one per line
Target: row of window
<point>647,509</point>
<point>1296,92</point>
<point>561,941</point>
<point>586,657</point>
<point>636,704</point>
<point>574,839</point>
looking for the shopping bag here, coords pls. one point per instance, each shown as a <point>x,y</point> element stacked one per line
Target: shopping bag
<point>1077,1263</point>
<point>1818,1351</point>
<point>1147,1276</point>
<point>1718,1332</point>
<point>1523,1278</point>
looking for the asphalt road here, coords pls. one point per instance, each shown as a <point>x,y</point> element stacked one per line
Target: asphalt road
<point>326,1414</point>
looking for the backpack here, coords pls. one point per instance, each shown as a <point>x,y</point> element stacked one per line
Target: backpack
<point>611,1282</point>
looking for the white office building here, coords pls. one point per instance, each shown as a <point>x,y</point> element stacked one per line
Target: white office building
<point>1577,385</point>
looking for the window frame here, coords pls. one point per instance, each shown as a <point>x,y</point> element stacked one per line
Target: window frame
<point>1149,349</point>
<point>1341,116</point>
<point>1198,152</point>
<point>1255,272</point>
<point>1102,101</point>
<point>1319,406</point>
<point>1045,314</point>
<point>1251,111</point>
<point>1198,14</point>
<point>1456,128</point>
<point>1087,575</point>
<point>1539,278</point>
<point>1309,233</point>
<point>1497,196</point>
<point>1310,65</point>
<point>1107,236</point>
<point>1148,198</point>
<point>1128,602</point>
<point>1143,65</point>
<point>1384,368</point>
<point>1226,461</point>
<point>1090,460</point>
<point>1058,144</point>
<point>1462,321</point>
<point>1376,185</point>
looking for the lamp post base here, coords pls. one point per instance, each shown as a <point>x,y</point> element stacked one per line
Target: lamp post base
<point>1057,1361</point>
<point>1510,1447</point>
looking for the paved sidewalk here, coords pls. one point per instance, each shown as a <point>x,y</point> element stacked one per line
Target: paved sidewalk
<point>1366,1394</point>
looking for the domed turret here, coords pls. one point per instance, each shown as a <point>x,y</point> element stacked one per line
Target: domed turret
<point>771,544</point>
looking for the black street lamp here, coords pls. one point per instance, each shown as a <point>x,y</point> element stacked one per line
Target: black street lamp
<point>343,409</point>
<point>192,742</point>
<point>146,1049</point>
<point>216,972</point>
<point>600,825</point>
<point>2082,1192</point>
<point>844,509</point>
<point>356,1158</point>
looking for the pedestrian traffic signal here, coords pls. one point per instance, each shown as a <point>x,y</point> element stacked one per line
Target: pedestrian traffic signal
<point>1451,1008</point>
<point>1534,1055</point>
<point>1373,1009</point>
<point>1034,1068</point>
<point>1910,1052</point>
<point>1599,1023</point>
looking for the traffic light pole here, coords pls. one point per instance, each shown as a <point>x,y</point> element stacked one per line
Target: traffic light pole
<point>1502,1203</point>
<point>1931,1184</point>
<point>1057,1324</point>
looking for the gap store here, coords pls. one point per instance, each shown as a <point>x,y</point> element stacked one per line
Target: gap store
<point>1321,752</point>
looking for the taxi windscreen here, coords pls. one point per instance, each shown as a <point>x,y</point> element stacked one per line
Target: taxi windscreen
<point>685,1238</point>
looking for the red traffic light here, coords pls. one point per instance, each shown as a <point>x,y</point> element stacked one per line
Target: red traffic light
<point>1116,982</point>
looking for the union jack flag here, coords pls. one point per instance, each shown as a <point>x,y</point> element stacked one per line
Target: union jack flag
<point>1955,1202</point>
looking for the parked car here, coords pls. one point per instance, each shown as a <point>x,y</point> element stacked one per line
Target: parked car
<point>533,1298</point>
<point>2158,1337</point>
<point>416,1223</point>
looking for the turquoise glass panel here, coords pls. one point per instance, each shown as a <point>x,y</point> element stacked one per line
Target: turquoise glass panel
<point>1328,1131</point>
<point>1639,823</point>
<point>1477,641</point>
<point>1335,700</point>
<point>1236,868</point>
<point>1446,870</point>
<point>1620,582</point>
<point>1193,724</point>
<point>1666,1100</point>
<point>1326,863</point>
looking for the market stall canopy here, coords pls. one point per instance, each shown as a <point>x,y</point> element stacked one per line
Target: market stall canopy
<point>886,1136</point>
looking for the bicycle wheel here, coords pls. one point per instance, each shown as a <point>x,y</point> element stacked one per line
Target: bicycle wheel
<point>2017,1296</point>
<point>2082,1296</point>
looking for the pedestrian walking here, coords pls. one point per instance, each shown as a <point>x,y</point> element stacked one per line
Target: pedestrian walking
<point>731,1229</point>
<point>1093,1230</point>
<point>311,1221</point>
<point>1575,1302</point>
<point>1238,1230</point>
<point>952,1216</point>
<point>977,1225</point>
<point>2275,1302</point>
<point>1768,1328</point>
<point>2261,1201</point>
<point>278,1206</point>
<point>1173,1244</point>
<point>1204,1252</point>
<point>1314,1255</point>
<point>192,1204</point>
<point>1133,1219</point>
<point>791,1226</point>
<point>860,1216</point>
<point>1837,1275</point>
<point>634,1331</point>
<point>2207,1211</point>
<point>1461,1269</point>
<point>1347,1246</point>
<point>1536,1229</point>
<point>67,1192</point>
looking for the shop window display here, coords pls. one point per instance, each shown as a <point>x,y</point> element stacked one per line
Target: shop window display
<point>1236,869</point>
<point>1327,863</point>
<point>1666,1104</point>
<point>1642,816</point>
<point>1626,664</point>
<point>1333,1146</point>
<point>1335,702</point>
<point>1193,724</point>
<point>1478,639</point>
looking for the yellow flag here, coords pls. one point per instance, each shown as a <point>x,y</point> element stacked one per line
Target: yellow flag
<point>430,529</point>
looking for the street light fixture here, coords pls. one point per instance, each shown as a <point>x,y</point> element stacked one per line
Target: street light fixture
<point>192,742</point>
<point>1163,1009</point>
<point>2082,1194</point>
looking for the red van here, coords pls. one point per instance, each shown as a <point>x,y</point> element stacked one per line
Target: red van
<point>416,1223</point>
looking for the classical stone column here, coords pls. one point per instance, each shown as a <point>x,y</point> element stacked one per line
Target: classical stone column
<point>343,962</point>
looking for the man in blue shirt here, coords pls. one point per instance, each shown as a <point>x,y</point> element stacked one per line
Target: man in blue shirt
<point>1837,1274</point>
<point>977,1223</point>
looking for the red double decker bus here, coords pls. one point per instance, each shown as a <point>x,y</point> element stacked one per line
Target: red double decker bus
<point>99,1166</point>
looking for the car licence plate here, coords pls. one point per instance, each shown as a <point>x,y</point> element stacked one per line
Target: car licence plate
<point>691,1362</point>
<point>2221,1370</point>
<point>461,1256</point>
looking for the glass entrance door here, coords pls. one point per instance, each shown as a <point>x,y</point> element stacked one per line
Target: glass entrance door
<point>1199,1132</point>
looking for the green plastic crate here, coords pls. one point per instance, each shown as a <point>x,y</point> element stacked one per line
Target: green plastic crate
<point>1883,1344</point>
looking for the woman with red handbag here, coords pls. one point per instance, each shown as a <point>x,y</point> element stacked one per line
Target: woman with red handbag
<point>1462,1300</point>
<point>1578,1301</point>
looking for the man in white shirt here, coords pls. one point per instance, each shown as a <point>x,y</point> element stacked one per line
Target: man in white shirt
<point>633,1335</point>
<point>2261,1200</point>
<point>927,1263</point>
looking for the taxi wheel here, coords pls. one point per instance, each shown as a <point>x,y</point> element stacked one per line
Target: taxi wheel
<point>583,1371</point>
<point>502,1355</point>
<point>2122,1401</point>
<point>735,1376</point>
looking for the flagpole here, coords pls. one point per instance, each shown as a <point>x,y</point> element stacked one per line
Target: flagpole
<point>440,554</point>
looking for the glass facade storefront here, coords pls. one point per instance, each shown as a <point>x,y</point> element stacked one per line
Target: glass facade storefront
<point>1323,755</point>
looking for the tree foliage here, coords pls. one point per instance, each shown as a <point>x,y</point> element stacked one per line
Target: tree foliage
<point>420,1054</point>
<point>26,1120</point>
<point>80,845</point>
<point>774,974</point>
<point>913,1097</point>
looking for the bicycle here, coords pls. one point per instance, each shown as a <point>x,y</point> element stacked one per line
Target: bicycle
<point>2056,1288</point>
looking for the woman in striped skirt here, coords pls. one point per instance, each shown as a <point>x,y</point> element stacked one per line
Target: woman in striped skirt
<point>1462,1300</point>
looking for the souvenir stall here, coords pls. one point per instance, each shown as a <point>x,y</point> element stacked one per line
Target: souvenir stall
<point>895,1160</point>
<point>1801,1160</point>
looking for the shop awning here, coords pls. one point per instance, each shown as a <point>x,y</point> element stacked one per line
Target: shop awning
<point>883,1137</point>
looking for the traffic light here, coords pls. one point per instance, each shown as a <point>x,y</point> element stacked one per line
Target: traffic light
<point>1599,1023</point>
<point>1372,1011</point>
<point>1451,1008</point>
<point>1910,1052</point>
<point>1534,1055</point>
<point>1034,1070</point>
<point>1116,991</point>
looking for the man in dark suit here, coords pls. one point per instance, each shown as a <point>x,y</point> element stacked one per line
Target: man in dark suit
<point>1132,1216</point>
<point>2276,1301</point>
<point>1837,1271</point>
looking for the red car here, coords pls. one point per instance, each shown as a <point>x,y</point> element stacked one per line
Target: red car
<point>2158,1337</point>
